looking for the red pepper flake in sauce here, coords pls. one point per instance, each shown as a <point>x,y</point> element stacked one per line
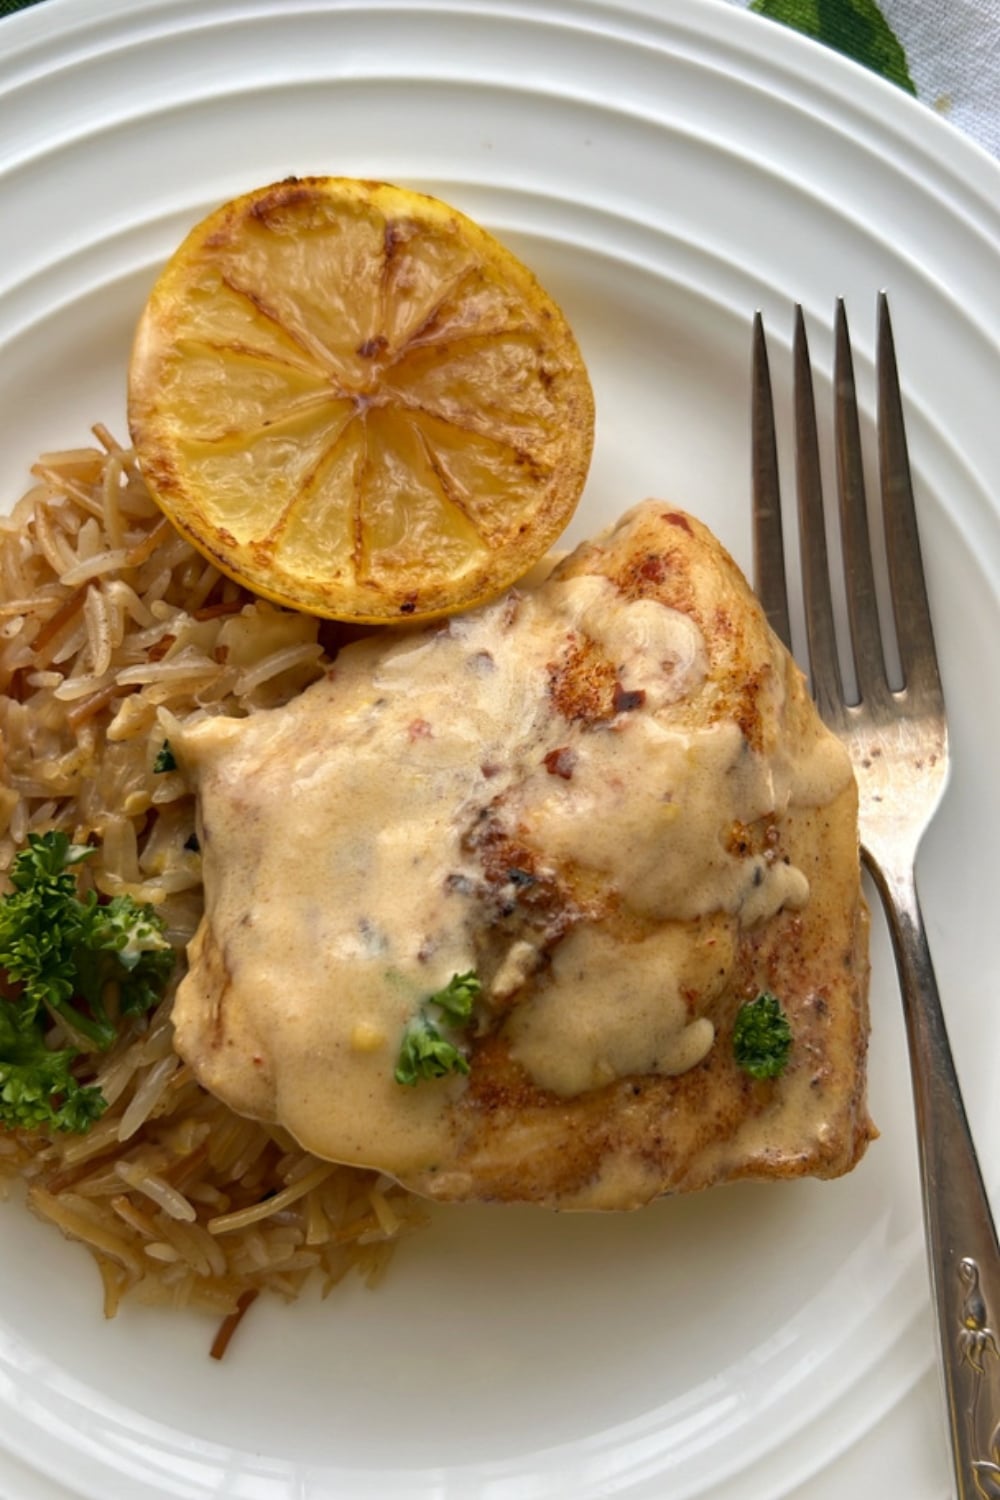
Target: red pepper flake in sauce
<point>653,569</point>
<point>419,729</point>
<point>561,762</point>
<point>627,700</point>
<point>673,519</point>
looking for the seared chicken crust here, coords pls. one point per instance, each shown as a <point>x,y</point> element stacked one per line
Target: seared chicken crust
<point>611,797</point>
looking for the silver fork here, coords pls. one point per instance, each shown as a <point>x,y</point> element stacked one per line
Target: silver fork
<point>898,743</point>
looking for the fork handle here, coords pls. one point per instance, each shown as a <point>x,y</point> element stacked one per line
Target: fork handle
<point>961,1237</point>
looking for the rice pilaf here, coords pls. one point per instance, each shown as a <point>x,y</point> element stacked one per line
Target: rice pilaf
<point>112,627</point>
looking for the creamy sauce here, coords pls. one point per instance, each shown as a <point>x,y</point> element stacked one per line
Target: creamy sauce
<point>563,1037</point>
<point>343,887</point>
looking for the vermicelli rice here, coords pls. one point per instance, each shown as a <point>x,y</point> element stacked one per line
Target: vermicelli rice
<point>113,628</point>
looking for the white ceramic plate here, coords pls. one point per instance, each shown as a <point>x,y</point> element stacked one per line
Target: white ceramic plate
<point>665,169</point>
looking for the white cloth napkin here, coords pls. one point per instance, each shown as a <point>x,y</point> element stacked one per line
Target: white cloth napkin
<point>951,48</point>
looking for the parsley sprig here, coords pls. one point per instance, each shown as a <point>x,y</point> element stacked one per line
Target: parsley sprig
<point>60,952</point>
<point>762,1037</point>
<point>425,1052</point>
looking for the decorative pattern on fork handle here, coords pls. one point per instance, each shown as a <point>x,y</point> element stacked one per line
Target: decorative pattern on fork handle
<point>977,1342</point>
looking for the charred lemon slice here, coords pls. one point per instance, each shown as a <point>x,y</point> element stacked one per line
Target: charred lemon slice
<point>357,402</point>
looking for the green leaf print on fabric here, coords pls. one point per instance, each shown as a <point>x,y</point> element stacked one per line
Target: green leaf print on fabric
<point>855,27</point>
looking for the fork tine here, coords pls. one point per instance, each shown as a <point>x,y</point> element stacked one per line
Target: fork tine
<point>914,633</point>
<point>770,584</point>
<point>862,608</point>
<point>823,660</point>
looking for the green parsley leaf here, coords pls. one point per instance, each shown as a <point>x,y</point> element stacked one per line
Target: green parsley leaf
<point>762,1037</point>
<point>425,1053</point>
<point>165,759</point>
<point>36,1084</point>
<point>42,923</point>
<point>62,951</point>
<point>457,996</point>
<point>133,934</point>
